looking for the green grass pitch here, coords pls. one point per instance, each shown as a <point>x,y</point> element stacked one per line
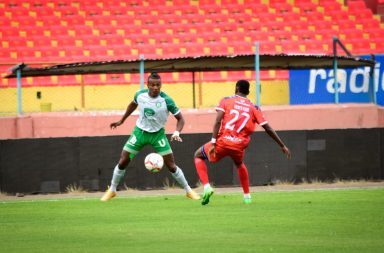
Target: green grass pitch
<point>344,220</point>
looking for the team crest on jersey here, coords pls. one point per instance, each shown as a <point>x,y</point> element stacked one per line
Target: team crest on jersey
<point>148,112</point>
<point>158,104</point>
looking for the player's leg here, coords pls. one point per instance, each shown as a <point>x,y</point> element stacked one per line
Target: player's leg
<point>201,155</point>
<point>118,174</point>
<point>161,144</point>
<point>201,167</point>
<point>119,171</point>
<point>131,148</point>
<point>244,180</point>
<point>178,175</point>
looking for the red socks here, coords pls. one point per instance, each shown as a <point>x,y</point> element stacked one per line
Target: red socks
<point>243,175</point>
<point>202,170</point>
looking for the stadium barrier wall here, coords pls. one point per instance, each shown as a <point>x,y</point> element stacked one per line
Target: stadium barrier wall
<point>50,165</point>
<point>46,152</point>
<point>298,117</point>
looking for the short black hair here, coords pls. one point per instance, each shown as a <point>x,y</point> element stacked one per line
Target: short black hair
<point>154,75</point>
<point>243,86</point>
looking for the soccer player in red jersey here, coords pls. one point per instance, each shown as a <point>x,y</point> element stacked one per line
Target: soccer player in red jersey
<point>236,119</point>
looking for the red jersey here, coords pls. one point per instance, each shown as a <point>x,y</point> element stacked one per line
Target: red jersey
<point>240,118</point>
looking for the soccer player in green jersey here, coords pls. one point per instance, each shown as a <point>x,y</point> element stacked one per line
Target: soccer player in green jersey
<point>154,107</point>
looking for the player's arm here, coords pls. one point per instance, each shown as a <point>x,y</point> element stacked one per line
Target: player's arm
<point>271,132</point>
<point>179,126</point>
<point>215,131</point>
<point>217,124</point>
<point>130,109</point>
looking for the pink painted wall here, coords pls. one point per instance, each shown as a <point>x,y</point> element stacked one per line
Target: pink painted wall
<point>47,125</point>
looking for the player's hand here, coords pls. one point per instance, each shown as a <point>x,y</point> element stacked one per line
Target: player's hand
<point>176,136</point>
<point>116,124</point>
<point>286,151</point>
<point>212,150</point>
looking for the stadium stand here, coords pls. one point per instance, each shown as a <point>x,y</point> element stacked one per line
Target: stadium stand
<point>61,31</point>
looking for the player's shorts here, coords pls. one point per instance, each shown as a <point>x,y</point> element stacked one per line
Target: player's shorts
<point>221,152</point>
<point>139,138</point>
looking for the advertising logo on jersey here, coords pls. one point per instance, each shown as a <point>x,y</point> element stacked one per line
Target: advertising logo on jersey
<point>354,86</point>
<point>149,112</point>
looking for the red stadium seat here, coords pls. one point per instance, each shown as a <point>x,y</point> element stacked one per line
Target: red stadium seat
<point>5,55</point>
<point>33,30</point>
<point>187,38</point>
<point>145,50</point>
<point>375,33</point>
<point>378,46</point>
<point>216,18</point>
<point>108,41</point>
<point>54,55</point>
<point>188,10</point>
<point>172,51</point>
<point>330,6</point>
<point>257,8</point>
<point>346,25</point>
<point>356,5</point>
<point>58,4</point>
<point>195,19</point>
<point>361,14</point>
<point>42,10</point>
<point>76,54</point>
<point>351,34</point>
<point>195,49</point>
<point>241,47</point>
<point>314,47</point>
<point>368,23</point>
<point>15,42</point>
<point>306,7</point>
<point>217,48</point>
<point>48,21</point>
<point>209,37</point>
<point>281,7</point>
<point>359,46</point>
<point>123,53</point>
<point>65,31</point>
<point>290,47</point>
<point>66,12</point>
<point>340,16</point>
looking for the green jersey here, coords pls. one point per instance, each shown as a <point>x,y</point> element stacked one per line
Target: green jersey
<point>153,112</point>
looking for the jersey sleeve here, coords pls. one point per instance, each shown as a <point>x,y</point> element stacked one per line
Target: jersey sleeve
<point>137,94</point>
<point>171,105</point>
<point>221,106</point>
<point>135,97</point>
<point>260,120</point>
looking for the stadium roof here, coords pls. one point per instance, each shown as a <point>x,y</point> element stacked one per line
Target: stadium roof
<point>190,64</point>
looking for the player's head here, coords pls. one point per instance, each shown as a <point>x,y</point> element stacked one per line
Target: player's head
<point>242,86</point>
<point>154,84</point>
<point>154,75</point>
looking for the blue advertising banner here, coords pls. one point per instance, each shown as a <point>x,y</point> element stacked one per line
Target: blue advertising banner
<point>314,86</point>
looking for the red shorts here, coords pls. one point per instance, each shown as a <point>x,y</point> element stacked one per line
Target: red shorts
<point>221,152</point>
